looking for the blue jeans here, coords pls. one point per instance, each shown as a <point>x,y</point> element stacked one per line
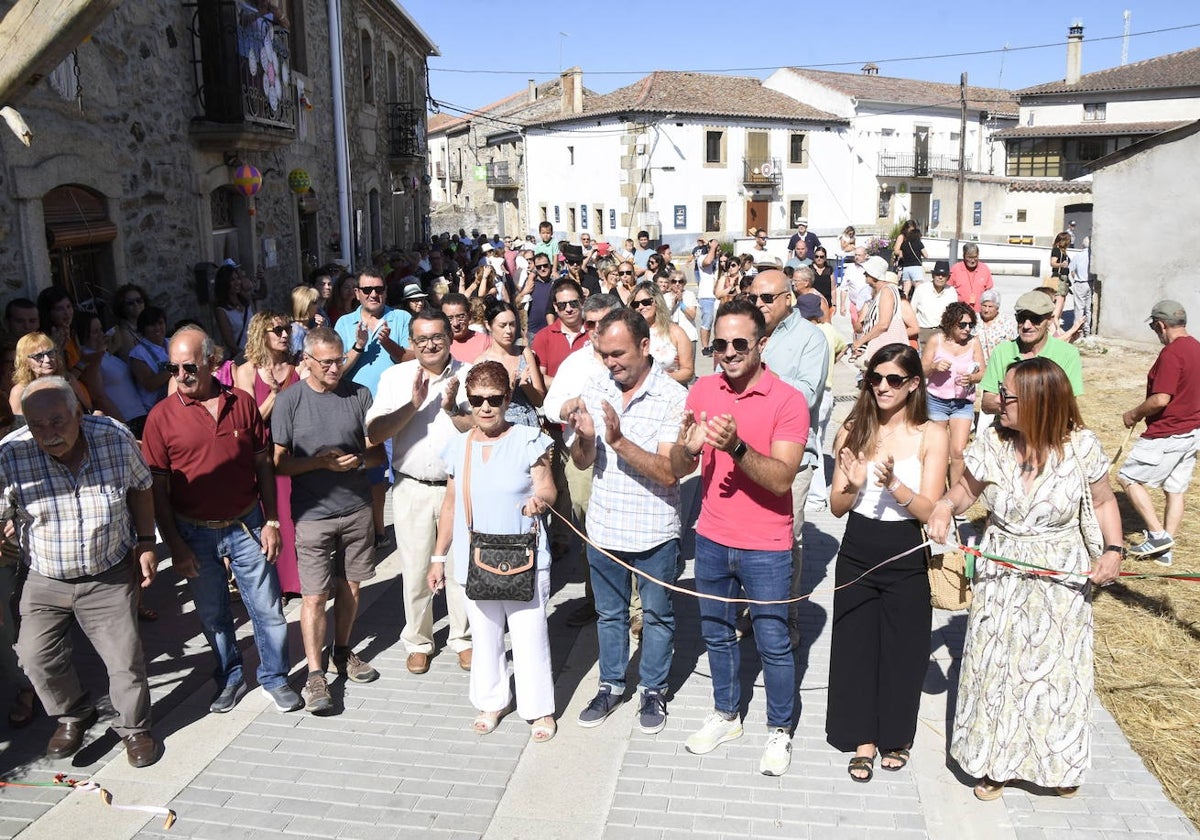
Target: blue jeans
<point>259,587</point>
<point>765,576</point>
<point>611,586</point>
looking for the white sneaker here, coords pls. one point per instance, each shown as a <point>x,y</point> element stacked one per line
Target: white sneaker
<point>777,757</point>
<point>715,731</point>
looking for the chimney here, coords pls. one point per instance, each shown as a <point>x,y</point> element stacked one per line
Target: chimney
<point>532,91</point>
<point>1074,52</point>
<point>572,91</point>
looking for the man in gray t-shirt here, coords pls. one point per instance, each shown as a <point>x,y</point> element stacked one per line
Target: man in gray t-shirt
<point>319,430</point>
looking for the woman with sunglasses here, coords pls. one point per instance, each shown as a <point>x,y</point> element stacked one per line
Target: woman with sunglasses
<point>953,365</point>
<point>511,487</point>
<point>729,283</point>
<point>323,283</point>
<point>684,308</point>
<point>669,345</point>
<point>1025,691</point>
<point>109,381</point>
<point>890,466</point>
<point>526,385</point>
<point>625,281</point>
<point>37,357</point>
<point>268,369</point>
<point>823,276</point>
<point>344,300</point>
<point>127,302</point>
<point>234,305</point>
<point>148,357</point>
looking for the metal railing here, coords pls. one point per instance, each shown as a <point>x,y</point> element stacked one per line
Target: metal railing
<point>498,175</point>
<point>908,164</point>
<point>761,171</point>
<point>405,131</point>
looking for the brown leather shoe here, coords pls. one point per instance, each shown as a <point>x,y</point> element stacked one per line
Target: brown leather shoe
<point>417,663</point>
<point>464,659</point>
<point>141,749</point>
<point>68,738</point>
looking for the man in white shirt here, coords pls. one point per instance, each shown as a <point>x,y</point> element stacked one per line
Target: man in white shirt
<point>706,291</point>
<point>930,300</point>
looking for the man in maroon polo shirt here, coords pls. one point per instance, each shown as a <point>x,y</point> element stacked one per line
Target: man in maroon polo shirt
<point>214,485</point>
<point>554,343</point>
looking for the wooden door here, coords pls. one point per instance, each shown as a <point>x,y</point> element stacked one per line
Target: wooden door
<point>756,215</point>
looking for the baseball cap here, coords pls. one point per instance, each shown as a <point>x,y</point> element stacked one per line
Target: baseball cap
<point>1037,302</point>
<point>942,268</point>
<point>876,267</point>
<point>1167,310</point>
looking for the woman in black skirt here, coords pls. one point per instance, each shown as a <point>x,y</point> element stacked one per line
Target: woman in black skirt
<point>891,465</point>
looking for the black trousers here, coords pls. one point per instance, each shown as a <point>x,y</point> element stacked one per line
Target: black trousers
<point>880,646</point>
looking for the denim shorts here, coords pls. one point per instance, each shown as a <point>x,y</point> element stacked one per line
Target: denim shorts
<point>941,410</point>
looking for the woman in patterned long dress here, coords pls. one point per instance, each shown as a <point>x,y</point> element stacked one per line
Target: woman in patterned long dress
<point>1025,687</point>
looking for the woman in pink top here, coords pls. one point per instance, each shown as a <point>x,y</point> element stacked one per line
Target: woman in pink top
<point>953,364</point>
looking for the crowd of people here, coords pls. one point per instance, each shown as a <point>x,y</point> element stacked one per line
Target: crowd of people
<point>530,388</point>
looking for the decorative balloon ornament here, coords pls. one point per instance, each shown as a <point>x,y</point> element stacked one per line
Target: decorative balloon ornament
<point>248,181</point>
<point>299,181</point>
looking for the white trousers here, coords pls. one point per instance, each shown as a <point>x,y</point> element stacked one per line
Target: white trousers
<point>415,508</point>
<point>490,685</point>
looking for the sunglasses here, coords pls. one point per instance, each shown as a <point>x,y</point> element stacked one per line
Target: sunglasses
<point>326,364</point>
<point>966,325</point>
<point>540,266</point>
<point>494,400</point>
<point>1006,397</point>
<point>187,368</point>
<point>280,330</point>
<point>1032,317</point>
<point>590,324</point>
<point>740,345</point>
<point>644,303</point>
<point>894,380</point>
<point>563,305</point>
<point>766,297</point>
<point>372,290</point>
<point>625,273</point>
<point>44,356</point>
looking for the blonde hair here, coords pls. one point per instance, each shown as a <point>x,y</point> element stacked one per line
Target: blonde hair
<point>303,298</point>
<point>30,343</point>
<point>256,336</point>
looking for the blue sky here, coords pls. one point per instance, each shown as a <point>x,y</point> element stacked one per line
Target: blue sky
<point>618,42</point>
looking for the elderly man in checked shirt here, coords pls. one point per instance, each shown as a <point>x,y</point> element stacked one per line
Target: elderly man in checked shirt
<point>78,493</point>
<point>625,424</point>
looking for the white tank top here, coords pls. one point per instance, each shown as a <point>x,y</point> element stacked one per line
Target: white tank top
<point>875,502</point>
<point>662,348</point>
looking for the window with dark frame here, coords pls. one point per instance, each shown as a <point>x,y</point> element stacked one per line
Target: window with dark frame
<point>1094,111</point>
<point>714,212</point>
<point>798,148</point>
<point>714,147</point>
<point>795,211</point>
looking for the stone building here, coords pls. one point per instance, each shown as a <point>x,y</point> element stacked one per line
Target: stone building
<point>138,134</point>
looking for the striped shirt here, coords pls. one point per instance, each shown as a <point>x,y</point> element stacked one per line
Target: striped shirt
<point>73,525</point>
<point>628,511</point>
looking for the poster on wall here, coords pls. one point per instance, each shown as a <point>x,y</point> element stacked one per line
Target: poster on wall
<point>583,220</point>
<point>557,218</point>
<point>935,217</point>
<point>270,253</point>
<point>977,214</point>
<point>612,219</point>
<point>680,216</point>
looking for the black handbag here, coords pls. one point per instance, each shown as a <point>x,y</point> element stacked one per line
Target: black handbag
<point>502,567</point>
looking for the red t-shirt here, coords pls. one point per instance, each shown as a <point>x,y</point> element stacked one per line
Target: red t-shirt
<point>970,284</point>
<point>734,510</point>
<point>1175,373</point>
<point>551,347</point>
<point>468,351</point>
<point>210,463</point>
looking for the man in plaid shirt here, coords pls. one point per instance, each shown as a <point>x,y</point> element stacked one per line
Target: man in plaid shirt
<point>78,492</point>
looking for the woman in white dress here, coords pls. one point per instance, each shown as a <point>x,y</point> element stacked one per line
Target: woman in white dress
<point>1026,684</point>
<point>669,345</point>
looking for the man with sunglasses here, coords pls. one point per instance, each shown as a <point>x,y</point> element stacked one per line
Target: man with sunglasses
<point>1034,311</point>
<point>747,429</point>
<point>798,353</point>
<point>420,406</point>
<point>214,497</point>
<point>541,295</point>
<point>320,440</point>
<point>1165,455</point>
<point>566,335</point>
<point>929,301</point>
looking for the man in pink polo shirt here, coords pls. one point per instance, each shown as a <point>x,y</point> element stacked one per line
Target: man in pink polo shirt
<point>748,429</point>
<point>970,277</point>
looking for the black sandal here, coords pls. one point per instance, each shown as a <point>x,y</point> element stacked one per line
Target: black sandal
<point>862,763</point>
<point>901,756</point>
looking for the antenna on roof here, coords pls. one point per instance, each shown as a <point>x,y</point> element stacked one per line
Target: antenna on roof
<point>1125,38</point>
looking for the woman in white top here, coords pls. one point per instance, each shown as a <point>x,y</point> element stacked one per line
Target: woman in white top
<point>109,381</point>
<point>669,345</point>
<point>890,466</point>
<point>684,305</point>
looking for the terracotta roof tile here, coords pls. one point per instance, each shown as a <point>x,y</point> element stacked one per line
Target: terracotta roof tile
<point>1181,69</point>
<point>912,91</point>
<point>1045,185</point>
<point>511,104</point>
<point>1087,129</point>
<point>697,94</point>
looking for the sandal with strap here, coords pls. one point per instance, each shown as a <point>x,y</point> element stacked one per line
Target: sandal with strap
<point>899,756</point>
<point>485,722</point>
<point>543,729</point>
<point>862,764</point>
<point>987,789</point>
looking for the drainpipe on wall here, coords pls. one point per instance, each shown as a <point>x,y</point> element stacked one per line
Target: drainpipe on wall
<point>340,145</point>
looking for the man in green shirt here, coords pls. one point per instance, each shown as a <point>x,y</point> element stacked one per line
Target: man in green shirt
<point>1033,311</point>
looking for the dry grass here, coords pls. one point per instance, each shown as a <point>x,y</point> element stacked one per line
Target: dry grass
<point>1148,632</point>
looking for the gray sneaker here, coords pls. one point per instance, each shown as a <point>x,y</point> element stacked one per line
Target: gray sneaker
<point>352,668</point>
<point>1163,559</point>
<point>316,695</point>
<point>652,717</point>
<point>284,698</point>
<point>228,697</point>
<point>602,705</point>
<point>1151,546</point>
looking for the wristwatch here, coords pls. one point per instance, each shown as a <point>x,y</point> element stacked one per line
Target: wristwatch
<point>150,539</point>
<point>271,523</point>
<point>358,349</point>
<point>1120,549</point>
<point>739,450</point>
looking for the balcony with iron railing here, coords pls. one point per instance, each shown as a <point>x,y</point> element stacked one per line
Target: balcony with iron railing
<point>243,77</point>
<point>761,172</point>
<point>405,134</point>
<point>910,165</point>
<point>499,177</point>
<point>455,172</point>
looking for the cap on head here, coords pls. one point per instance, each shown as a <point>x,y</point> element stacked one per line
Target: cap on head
<point>413,292</point>
<point>802,221</point>
<point>876,267</point>
<point>1039,303</point>
<point>941,268</point>
<point>1168,310</point>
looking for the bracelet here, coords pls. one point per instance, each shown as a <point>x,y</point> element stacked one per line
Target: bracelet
<point>910,500</point>
<point>691,454</point>
<point>271,523</point>
<point>438,558</point>
<point>948,501</point>
<point>147,538</point>
<point>892,487</point>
